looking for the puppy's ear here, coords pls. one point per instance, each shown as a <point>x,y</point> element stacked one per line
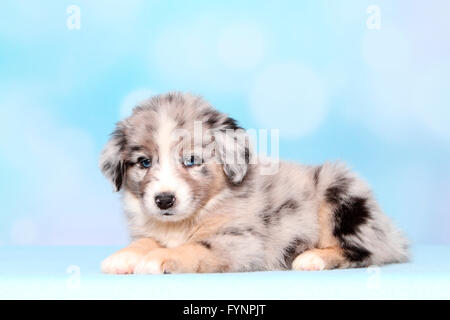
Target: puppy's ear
<point>111,163</point>
<point>233,150</point>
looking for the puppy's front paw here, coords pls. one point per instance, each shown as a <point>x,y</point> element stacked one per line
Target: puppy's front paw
<point>310,261</point>
<point>159,261</point>
<point>122,262</point>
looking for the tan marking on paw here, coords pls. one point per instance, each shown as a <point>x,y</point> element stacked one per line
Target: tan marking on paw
<point>158,261</point>
<point>124,261</point>
<point>188,258</point>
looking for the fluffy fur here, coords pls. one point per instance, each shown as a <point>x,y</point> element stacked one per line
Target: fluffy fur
<point>227,215</point>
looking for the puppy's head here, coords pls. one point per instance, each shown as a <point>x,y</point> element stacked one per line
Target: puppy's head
<point>175,153</point>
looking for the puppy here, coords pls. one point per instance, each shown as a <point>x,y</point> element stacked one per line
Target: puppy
<point>196,201</point>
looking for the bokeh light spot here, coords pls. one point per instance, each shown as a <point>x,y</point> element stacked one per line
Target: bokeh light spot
<point>241,46</point>
<point>386,50</point>
<point>289,97</point>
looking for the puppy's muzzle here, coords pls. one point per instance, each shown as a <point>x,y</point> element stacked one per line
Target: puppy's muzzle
<point>165,200</point>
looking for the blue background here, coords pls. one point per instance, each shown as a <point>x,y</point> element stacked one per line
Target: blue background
<point>378,99</point>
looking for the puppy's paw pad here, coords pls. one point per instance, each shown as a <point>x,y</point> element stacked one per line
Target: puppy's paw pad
<point>121,263</point>
<point>309,261</point>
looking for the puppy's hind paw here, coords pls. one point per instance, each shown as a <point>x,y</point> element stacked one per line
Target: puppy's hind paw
<point>309,261</point>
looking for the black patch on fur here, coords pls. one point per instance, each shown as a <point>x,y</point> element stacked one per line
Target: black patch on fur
<point>247,155</point>
<point>120,138</point>
<point>230,123</point>
<point>135,148</point>
<point>206,244</point>
<point>336,192</point>
<point>266,215</point>
<point>119,174</point>
<point>269,214</point>
<point>212,118</point>
<point>350,212</point>
<point>233,231</point>
<point>349,215</point>
<point>294,248</point>
<point>354,253</point>
<point>316,175</point>
<point>117,171</point>
<point>289,204</point>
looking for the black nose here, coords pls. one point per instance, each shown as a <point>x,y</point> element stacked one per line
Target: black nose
<point>165,200</point>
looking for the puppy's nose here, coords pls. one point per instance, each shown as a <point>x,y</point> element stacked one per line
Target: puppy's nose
<point>165,200</point>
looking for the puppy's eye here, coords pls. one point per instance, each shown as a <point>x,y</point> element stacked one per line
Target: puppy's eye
<point>191,161</point>
<point>145,163</point>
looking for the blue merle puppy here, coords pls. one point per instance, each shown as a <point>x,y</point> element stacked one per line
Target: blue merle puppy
<point>206,205</point>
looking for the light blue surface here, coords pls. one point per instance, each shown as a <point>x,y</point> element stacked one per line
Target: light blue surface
<point>51,273</point>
